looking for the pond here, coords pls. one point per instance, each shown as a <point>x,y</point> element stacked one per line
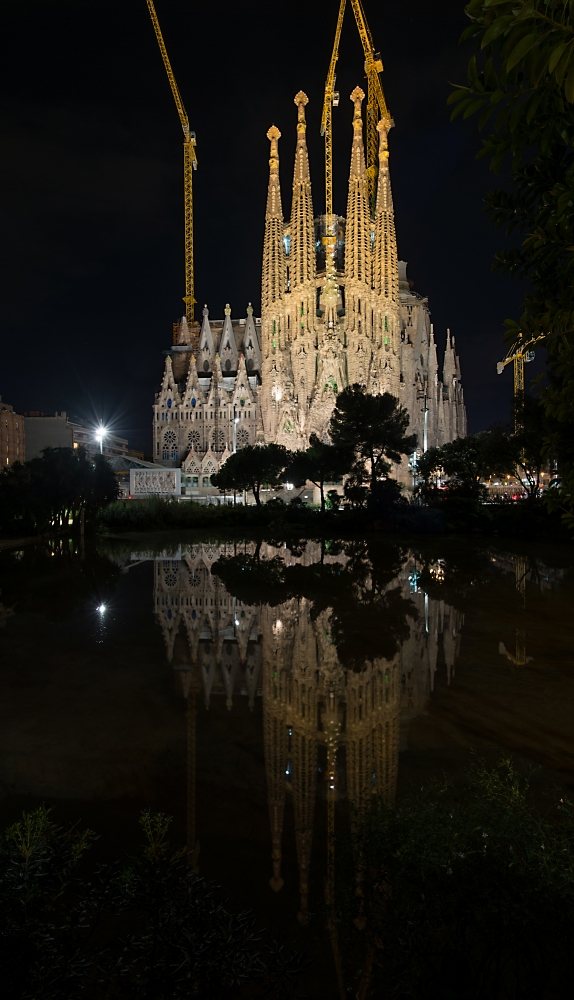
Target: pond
<point>252,688</point>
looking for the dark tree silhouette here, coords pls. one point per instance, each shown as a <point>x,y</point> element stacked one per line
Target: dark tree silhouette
<point>252,468</point>
<point>374,427</point>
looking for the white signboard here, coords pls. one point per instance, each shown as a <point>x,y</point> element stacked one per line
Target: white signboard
<point>155,482</point>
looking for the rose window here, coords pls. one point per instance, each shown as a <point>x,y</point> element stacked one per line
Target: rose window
<point>170,572</point>
<point>194,440</point>
<point>218,440</point>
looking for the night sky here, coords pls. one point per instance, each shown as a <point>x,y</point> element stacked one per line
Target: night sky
<point>91,184</point>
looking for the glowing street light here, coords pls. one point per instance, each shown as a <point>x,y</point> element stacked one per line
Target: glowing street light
<point>235,422</point>
<point>102,609</point>
<point>99,435</point>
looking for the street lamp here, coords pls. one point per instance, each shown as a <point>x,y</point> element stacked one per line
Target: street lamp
<point>99,435</point>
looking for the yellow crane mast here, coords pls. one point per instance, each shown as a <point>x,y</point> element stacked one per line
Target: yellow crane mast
<point>189,165</point>
<point>519,354</point>
<point>331,100</point>
<point>376,108</point>
<point>376,104</point>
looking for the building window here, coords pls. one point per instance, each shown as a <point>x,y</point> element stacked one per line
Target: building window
<point>169,446</point>
<point>242,437</point>
<point>195,480</point>
<point>206,482</point>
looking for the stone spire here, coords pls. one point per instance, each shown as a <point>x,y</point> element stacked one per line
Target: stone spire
<point>302,254</point>
<point>385,265</point>
<point>358,229</point>
<point>206,345</point>
<point>273,284</point>
<point>228,345</point>
<point>251,346</point>
<point>449,363</point>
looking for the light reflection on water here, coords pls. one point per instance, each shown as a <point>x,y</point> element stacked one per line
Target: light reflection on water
<point>357,662</point>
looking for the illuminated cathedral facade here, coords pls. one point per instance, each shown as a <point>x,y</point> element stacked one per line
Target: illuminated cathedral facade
<point>329,318</point>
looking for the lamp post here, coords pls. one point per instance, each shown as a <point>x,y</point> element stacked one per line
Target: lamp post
<point>235,422</point>
<point>100,434</point>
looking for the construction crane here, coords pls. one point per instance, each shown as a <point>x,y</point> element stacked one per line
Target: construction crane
<point>331,100</point>
<point>376,108</point>
<point>376,104</point>
<point>189,165</point>
<point>520,354</point>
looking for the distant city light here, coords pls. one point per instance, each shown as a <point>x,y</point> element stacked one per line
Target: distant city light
<point>102,609</point>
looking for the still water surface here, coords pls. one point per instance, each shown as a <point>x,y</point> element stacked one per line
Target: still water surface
<point>252,688</point>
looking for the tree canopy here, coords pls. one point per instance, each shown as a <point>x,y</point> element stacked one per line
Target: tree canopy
<point>54,489</point>
<point>252,468</point>
<point>521,81</point>
<point>321,463</point>
<point>374,429</point>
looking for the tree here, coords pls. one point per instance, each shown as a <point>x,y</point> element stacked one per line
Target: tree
<point>429,468</point>
<point>321,463</point>
<point>470,460</point>
<point>528,448</point>
<point>523,73</point>
<point>373,428</point>
<point>51,491</point>
<point>251,468</point>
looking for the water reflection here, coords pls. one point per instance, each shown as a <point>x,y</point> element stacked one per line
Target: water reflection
<point>345,652</point>
<point>342,649</point>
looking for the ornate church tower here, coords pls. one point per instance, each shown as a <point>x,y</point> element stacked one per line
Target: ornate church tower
<point>341,315</point>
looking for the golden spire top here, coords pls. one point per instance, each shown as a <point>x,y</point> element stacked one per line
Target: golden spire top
<point>301,100</point>
<point>274,135</point>
<point>227,309</point>
<point>357,97</point>
<point>383,127</point>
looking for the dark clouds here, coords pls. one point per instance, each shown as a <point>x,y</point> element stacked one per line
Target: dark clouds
<point>90,183</point>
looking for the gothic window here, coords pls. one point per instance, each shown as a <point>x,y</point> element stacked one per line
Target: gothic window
<point>249,364</point>
<point>169,446</point>
<point>194,440</point>
<point>218,443</point>
<point>170,571</point>
<point>194,578</point>
<point>228,365</point>
<point>206,365</point>
<point>242,437</point>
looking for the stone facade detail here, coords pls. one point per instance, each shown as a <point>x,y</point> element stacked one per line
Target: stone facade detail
<point>159,482</point>
<point>208,405</point>
<point>359,322</point>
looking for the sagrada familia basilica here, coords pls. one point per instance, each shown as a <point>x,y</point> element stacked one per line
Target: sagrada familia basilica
<point>327,320</point>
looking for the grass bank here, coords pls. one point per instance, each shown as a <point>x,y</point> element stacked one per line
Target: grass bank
<point>455,515</point>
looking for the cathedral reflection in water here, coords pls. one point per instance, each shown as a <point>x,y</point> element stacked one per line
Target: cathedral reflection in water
<point>330,729</point>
